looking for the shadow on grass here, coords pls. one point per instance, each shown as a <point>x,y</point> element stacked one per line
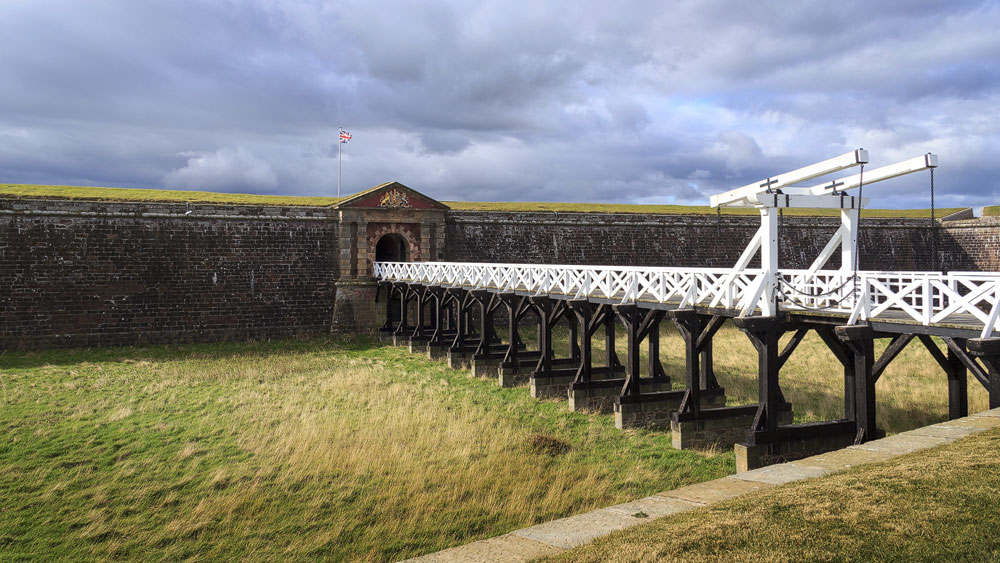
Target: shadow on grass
<point>25,359</point>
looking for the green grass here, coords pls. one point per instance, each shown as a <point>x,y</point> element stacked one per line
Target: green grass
<point>343,449</point>
<point>321,449</point>
<point>163,196</point>
<point>991,211</point>
<point>934,505</point>
<point>148,195</point>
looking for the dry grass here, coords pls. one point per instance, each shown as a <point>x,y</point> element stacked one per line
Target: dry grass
<point>934,505</point>
<point>340,450</point>
<point>315,450</point>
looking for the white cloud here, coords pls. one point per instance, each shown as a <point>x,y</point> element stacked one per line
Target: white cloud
<point>226,169</point>
<point>582,100</point>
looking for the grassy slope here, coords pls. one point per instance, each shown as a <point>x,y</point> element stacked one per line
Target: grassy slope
<point>934,505</point>
<point>991,211</point>
<point>318,449</point>
<point>122,194</point>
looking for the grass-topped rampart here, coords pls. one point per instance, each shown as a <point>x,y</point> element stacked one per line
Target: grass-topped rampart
<point>180,196</point>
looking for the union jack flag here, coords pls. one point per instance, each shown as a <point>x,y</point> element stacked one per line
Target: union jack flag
<point>344,136</point>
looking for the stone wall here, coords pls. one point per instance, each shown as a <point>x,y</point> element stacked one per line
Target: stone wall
<point>89,273</point>
<point>86,274</point>
<point>693,240</point>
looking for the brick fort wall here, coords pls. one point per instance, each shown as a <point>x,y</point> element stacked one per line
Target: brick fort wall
<point>88,273</point>
<point>698,240</point>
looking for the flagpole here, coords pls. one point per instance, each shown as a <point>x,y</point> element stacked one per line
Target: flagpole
<point>340,159</point>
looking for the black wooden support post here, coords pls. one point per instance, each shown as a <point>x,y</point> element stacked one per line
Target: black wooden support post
<point>574,333</point>
<point>461,298</point>
<point>418,293</point>
<point>631,318</point>
<point>513,303</point>
<point>707,364</point>
<point>843,355</point>
<point>584,311</point>
<point>764,333</point>
<point>689,323</point>
<point>861,342</point>
<point>545,312</point>
<point>958,384</point>
<point>610,355</point>
<point>439,313</point>
<point>404,308</point>
<point>487,302</point>
<point>708,379</point>
<point>653,334</point>
<point>987,350</point>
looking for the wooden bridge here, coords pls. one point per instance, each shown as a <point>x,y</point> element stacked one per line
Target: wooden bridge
<point>434,305</point>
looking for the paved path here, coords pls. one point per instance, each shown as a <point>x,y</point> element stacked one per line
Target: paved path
<point>559,535</point>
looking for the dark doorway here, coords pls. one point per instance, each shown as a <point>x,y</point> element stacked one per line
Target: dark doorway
<point>391,248</point>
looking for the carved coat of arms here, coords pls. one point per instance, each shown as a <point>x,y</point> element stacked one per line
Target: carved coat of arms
<point>394,198</point>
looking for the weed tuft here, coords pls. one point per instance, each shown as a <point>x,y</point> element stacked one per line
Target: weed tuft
<point>547,445</point>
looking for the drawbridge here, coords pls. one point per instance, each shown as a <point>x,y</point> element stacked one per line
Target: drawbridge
<point>453,308</point>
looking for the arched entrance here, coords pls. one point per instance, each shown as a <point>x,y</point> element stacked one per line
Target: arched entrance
<point>391,248</point>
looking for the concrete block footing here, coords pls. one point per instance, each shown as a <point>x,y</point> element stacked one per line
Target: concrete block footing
<point>485,368</point>
<point>511,377</point>
<point>437,351</point>
<point>459,360</point>
<point>718,429</point>
<point>601,398</point>
<point>656,413</point>
<point>550,387</point>
<point>418,345</point>
<point>749,457</point>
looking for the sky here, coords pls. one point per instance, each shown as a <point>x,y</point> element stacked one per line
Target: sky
<point>577,101</point>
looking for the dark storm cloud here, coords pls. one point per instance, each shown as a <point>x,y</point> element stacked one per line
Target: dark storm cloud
<point>640,102</point>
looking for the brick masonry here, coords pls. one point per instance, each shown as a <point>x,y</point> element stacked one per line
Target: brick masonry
<point>698,240</point>
<point>99,273</point>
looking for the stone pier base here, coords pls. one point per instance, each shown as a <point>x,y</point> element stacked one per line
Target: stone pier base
<point>654,410</point>
<point>720,428</point>
<point>752,457</point>
<point>487,368</point>
<point>600,396</point>
<point>437,351</point>
<point>512,377</point>
<point>459,360</point>
<point>555,385</point>
<point>418,345</point>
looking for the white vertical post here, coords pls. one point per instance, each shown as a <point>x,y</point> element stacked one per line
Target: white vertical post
<point>849,241</point>
<point>769,259</point>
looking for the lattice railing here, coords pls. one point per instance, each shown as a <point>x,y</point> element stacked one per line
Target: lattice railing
<point>929,298</point>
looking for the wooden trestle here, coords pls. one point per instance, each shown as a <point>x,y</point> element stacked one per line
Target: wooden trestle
<point>462,324</point>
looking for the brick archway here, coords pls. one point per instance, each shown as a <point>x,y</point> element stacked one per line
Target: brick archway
<point>409,232</point>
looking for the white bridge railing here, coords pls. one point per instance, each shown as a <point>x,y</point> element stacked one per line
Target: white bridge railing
<point>928,298</point>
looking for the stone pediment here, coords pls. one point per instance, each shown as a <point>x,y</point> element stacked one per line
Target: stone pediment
<point>391,195</point>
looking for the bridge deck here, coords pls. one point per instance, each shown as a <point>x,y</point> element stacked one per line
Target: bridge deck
<point>957,304</point>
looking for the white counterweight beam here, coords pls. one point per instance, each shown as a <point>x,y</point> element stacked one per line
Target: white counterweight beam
<point>910,166</point>
<point>740,196</point>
